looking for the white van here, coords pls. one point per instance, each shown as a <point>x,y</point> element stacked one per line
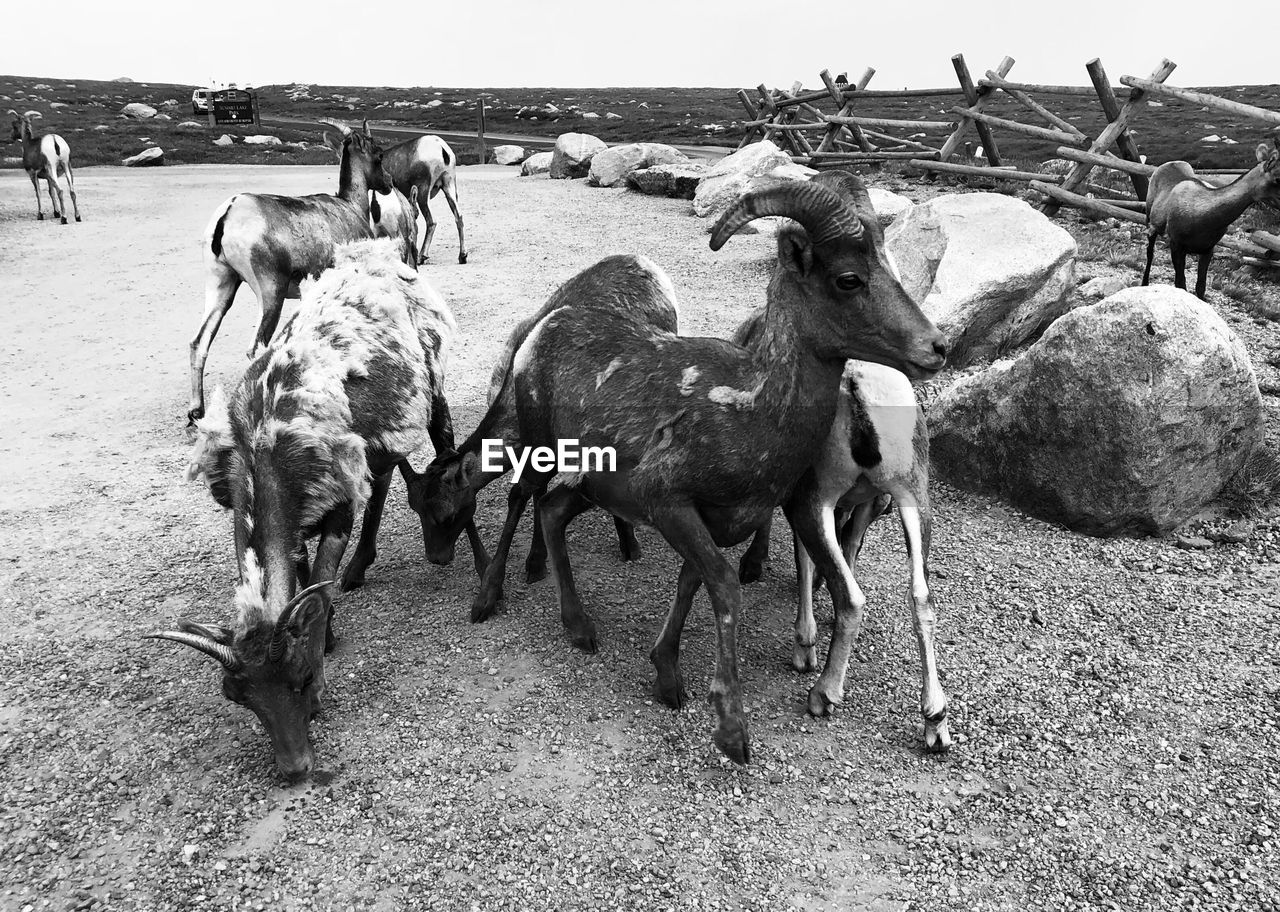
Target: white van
<point>200,101</point>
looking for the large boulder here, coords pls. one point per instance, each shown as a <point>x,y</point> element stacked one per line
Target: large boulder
<point>224,140</point>
<point>888,205</point>
<point>728,178</point>
<point>508,155</point>
<point>537,163</point>
<point>679,181</point>
<point>573,153</point>
<point>1127,417</point>
<point>145,158</point>
<point>989,270</point>
<point>610,167</point>
<point>138,111</point>
<point>263,139</point>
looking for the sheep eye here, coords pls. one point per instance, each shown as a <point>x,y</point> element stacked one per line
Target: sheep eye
<point>848,282</point>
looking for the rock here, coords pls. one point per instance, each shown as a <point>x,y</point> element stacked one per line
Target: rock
<point>508,155</point>
<point>138,110</point>
<point>537,163</point>
<point>1103,287</point>
<point>162,117</point>
<point>433,103</point>
<point>145,158</point>
<point>189,125</point>
<point>102,128</point>
<point>1127,417</point>
<point>263,140</point>
<point>989,270</point>
<point>728,178</point>
<point>679,181</point>
<point>610,167</point>
<point>888,205</point>
<point>611,116</point>
<point>1192,543</point>
<point>590,115</point>
<point>1237,533</point>
<point>57,104</point>
<point>573,154</point>
<point>223,140</point>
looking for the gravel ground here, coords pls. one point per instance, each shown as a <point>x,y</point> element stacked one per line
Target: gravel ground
<point>1114,703</point>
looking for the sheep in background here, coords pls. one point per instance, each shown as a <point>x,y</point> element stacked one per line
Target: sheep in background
<point>352,384</point>
<point>46,156</point>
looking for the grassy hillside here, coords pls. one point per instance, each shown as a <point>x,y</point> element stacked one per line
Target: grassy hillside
<point>86,113</point>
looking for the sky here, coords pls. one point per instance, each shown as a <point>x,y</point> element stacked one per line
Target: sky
<point>730,43</point>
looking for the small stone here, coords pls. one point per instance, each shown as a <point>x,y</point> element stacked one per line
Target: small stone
<point>1192,543</point>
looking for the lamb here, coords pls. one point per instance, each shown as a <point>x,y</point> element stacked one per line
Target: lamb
<point>46,156</point>
<point>393,216</point>
<point>709,436</point>
<point>353,384</point>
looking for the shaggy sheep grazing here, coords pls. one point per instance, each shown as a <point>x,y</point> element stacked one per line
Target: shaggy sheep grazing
<point>352,384</point>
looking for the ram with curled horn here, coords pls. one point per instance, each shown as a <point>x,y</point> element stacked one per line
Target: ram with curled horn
<point>709,436</point>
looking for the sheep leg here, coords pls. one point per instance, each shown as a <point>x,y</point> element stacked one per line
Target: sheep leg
<point>336,532</point>
<point>558,507</point>
<point>450,189</point>
<point>71,185</point>
<point>271,294</point>
<point>49,184</point>
<point>804,650</point>
<point>1151,252</point>
<point>627,542</point>
<point>367,547</point>
<point>55,182</point>
<point>424,205</point>
<point>35,183</point>
<point>853,532</point>
<point>486,599</point>
<point>668,687</point>
<point>814,523</point>
<point>683,527</point>
<point>917,524</point>
<point>751,566</point>
<point>535,564</point>
<point>1179,267</point>
<point>1202,274</point>
<point>220,286</point>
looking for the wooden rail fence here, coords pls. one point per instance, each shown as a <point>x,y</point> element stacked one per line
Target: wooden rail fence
<point>855,134</point>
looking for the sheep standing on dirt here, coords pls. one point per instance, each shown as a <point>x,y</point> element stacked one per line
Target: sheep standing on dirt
<point>428,164</point>
<point>392,216</point>
<point>46,156</point>
<point>352,385</point>
<point>274,242</point>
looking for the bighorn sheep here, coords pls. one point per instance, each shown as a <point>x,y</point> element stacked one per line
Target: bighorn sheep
<point>710,436</point>
<point>428,164</point>
<point>392,216</point>
<point>353,383</point>
<point>46,156</point>
<point>878,446</point>
<point>444,494</point>
<point>1195,215</point>
<point>273,242</point>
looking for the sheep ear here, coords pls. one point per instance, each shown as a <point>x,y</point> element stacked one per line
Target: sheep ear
<point>795,250</point>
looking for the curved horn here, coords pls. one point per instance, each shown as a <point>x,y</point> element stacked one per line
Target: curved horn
<point>202,644</point>
<point>346,131</point>
<point>366,129</point>
<point>821,211</point>
<point>276,652</point>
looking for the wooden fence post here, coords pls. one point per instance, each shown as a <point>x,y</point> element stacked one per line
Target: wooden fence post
<point>1111,107</point>
<point>481,148</point>
<point>1079,174</point>
<point>977,99</point>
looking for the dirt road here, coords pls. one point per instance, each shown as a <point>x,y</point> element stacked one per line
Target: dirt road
<point>1115,703</point>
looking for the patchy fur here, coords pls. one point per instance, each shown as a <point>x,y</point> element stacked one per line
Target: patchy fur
<point>354,372</point>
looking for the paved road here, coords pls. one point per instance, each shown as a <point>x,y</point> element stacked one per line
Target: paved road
<point>462,136</point>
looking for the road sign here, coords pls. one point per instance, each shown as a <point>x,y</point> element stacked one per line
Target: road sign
<point>233,106</point>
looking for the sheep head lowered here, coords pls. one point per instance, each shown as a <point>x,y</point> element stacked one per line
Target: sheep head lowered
<point>274,668</point>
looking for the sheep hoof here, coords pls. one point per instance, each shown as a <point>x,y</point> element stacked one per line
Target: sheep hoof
<point>804,658</point>
<point>937,736</point>
<point>584,638</point>
<point>39,216</point>
<point>462,259</point>
<point>78,218</point>
<point>64,219</point>
<point>822,704</point>
<point>731,738</point>
<point>195,415</point>
<point>535,572</point>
